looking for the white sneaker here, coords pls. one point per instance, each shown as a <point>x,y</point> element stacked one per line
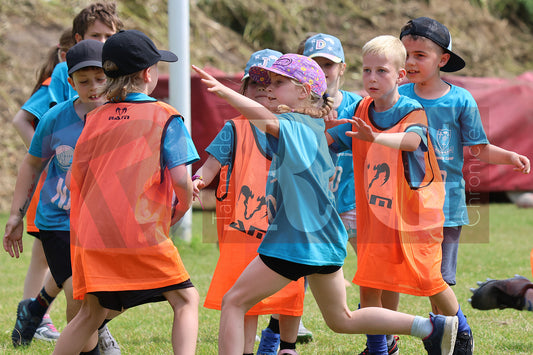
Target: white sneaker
<point>46,330</point>
<point>106,343</point>
<point>304,335</point>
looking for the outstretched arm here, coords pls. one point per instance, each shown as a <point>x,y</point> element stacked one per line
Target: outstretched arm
<point>256,113</point>
<point>406,141</point>
<point>493,154</point>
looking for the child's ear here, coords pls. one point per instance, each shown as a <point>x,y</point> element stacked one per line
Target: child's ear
<point>147,75</point>
<point>78,38</point>
<point>306,90</point>
<point>402,73</point>
<point>71,82</point>
<point>444,59</point>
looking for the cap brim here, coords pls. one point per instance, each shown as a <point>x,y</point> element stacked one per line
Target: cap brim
<point>261,74</point>
<point>85,64</point>
<point>455,63</point>
<point>168,56</point>
<point>331,57</point>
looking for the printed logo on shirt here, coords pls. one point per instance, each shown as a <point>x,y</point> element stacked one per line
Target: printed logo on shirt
<point>248,205</point>
<point>121,114</point>
<point>380,169</point>
<point>381,173</point>
<point>443,142</point>
<point>64,154</point>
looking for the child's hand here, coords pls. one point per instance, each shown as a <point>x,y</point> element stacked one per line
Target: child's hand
<point>197,185</point>
<point>13,236</point>
<point>521,163</point>
<point>331,119</point>
<point>362,130</point>
<point>213,85</point>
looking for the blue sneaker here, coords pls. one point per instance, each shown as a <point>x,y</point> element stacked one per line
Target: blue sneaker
<point>26,324</point>
<point>441,341</point>
<point>269,343</point>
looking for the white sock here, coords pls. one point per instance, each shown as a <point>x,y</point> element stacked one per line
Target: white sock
<point>390,338</point>
<point>422,327</point>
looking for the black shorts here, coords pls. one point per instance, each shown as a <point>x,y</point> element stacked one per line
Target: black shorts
<point>56,246</point>
<point>35,234</point>
<point>293,271</point>
<point>121,300</point>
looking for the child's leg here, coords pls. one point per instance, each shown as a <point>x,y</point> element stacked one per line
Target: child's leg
<point>256,282</point>
<point>184,303</point>
<point>80,332</point>
<point>446,302</point>
<point>37,271</point>
<point>288,329</point>
<point>250,330</point>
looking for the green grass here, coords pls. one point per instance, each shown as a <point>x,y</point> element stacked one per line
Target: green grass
<point>498,247</point>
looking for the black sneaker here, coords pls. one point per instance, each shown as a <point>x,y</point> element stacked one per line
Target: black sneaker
<point>464,344</point>
<point>392,348</point>
<point>26,324</point>
<point>508,293</point>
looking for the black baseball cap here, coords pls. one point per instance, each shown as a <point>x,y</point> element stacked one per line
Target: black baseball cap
<point>438,33</point>
<point>132,51</point>
<point>86,53</point>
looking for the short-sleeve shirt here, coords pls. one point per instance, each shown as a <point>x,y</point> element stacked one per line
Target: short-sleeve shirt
<point>304,226</point>
<point>454,122</point>
<point>38,103</point>
<point>60,89</point>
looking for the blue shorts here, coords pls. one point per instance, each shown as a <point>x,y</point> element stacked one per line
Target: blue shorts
<point>450,246</point>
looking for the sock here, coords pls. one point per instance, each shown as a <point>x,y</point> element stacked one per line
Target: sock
<point>104,323</point>
<point>273,325</point>
<point>44,298</point>
<point>248,354</point>
<point>377,344</point>
<point>463,324</point>
<point>286,345</point>
<point>94,351</point>
<point>390,339</point>
<point>422,327</point>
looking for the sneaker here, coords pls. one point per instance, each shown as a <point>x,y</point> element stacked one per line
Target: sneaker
<point>46,330</point>
<point>26,324</point>
<point>304,335</point>
<point>441,341</point>
<point>269,343</point>
<point>106,343</point>
<point>464,344</point>
<point>508,293</point>
<point>287,352</point>
<point>392,348</point>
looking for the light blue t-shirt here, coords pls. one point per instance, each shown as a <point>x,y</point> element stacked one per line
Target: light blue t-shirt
<point>38,103</point>
<point>342,183</point>
<point>60,89</point>
<point>304,225</point>
<point>454,122</point>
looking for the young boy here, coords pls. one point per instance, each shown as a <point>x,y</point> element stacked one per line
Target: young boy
<point>130,160</point>
<point>454,121</point>
<point>53,144</point>
<point>399,193</point>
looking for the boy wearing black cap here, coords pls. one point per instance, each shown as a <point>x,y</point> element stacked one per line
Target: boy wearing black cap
<point>129,184</point>
<point>454,121</point>
<point>53,146</point>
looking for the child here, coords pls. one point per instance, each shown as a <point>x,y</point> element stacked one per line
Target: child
<point>131,157</point>
<point>25,121</point>
<point>454,122</point>
<point>305,236</point>
<point>399,192</point>
<point>53,144</point>
<point>240,154</point>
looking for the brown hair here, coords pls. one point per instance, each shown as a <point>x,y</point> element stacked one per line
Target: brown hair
<point>102,11</point>
<point>117,88</point>
<point>53,58</point>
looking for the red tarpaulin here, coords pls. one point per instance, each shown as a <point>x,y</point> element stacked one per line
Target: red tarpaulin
<point>506,107</point>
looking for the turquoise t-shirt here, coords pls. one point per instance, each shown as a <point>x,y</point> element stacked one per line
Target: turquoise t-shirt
<point>454,122</point>
<point>60,89</point>
<point>304,225</point>
<point>38,103</point>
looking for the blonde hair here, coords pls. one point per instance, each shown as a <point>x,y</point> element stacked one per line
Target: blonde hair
<point>116,89</point>
<point>389,46</point>
<point>318,108</point>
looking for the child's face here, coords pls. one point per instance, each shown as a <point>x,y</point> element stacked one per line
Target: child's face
<point>333,71</point>
<point>258,93</point>
<point>381,77</point>
<point>98,31</point>
<point>424,59</point>
<point>89,83</point>
<point>284,91</point>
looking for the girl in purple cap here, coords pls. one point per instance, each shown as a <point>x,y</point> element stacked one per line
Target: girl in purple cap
<point>305,236</point>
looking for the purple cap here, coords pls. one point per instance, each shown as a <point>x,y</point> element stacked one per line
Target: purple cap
<point>301,68</point>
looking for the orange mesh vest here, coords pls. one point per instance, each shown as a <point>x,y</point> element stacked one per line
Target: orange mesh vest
<point>399,227</point>
<point>121,202</point>
<point>242,222</point>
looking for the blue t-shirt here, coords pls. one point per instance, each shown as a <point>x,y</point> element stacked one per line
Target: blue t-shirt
<point>454,122</point>
<point>60,89</point>
<point>304,225</point>
<point>38,103</point>
<point>342,183</point>
<point>384,120</point>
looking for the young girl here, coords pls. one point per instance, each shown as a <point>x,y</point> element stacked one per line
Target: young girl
<point>240,154</point>
<point>131,158</point>
<point>305,236</point>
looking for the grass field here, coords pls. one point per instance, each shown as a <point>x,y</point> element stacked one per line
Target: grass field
<point>497,247</point>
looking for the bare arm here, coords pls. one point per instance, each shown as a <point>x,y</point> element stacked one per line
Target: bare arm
<point>406,141</point>
<point>256,113</point>
<point>493,154</point>
<point>27,179</point>
<point>23,122</point>
<point>182,184</point>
